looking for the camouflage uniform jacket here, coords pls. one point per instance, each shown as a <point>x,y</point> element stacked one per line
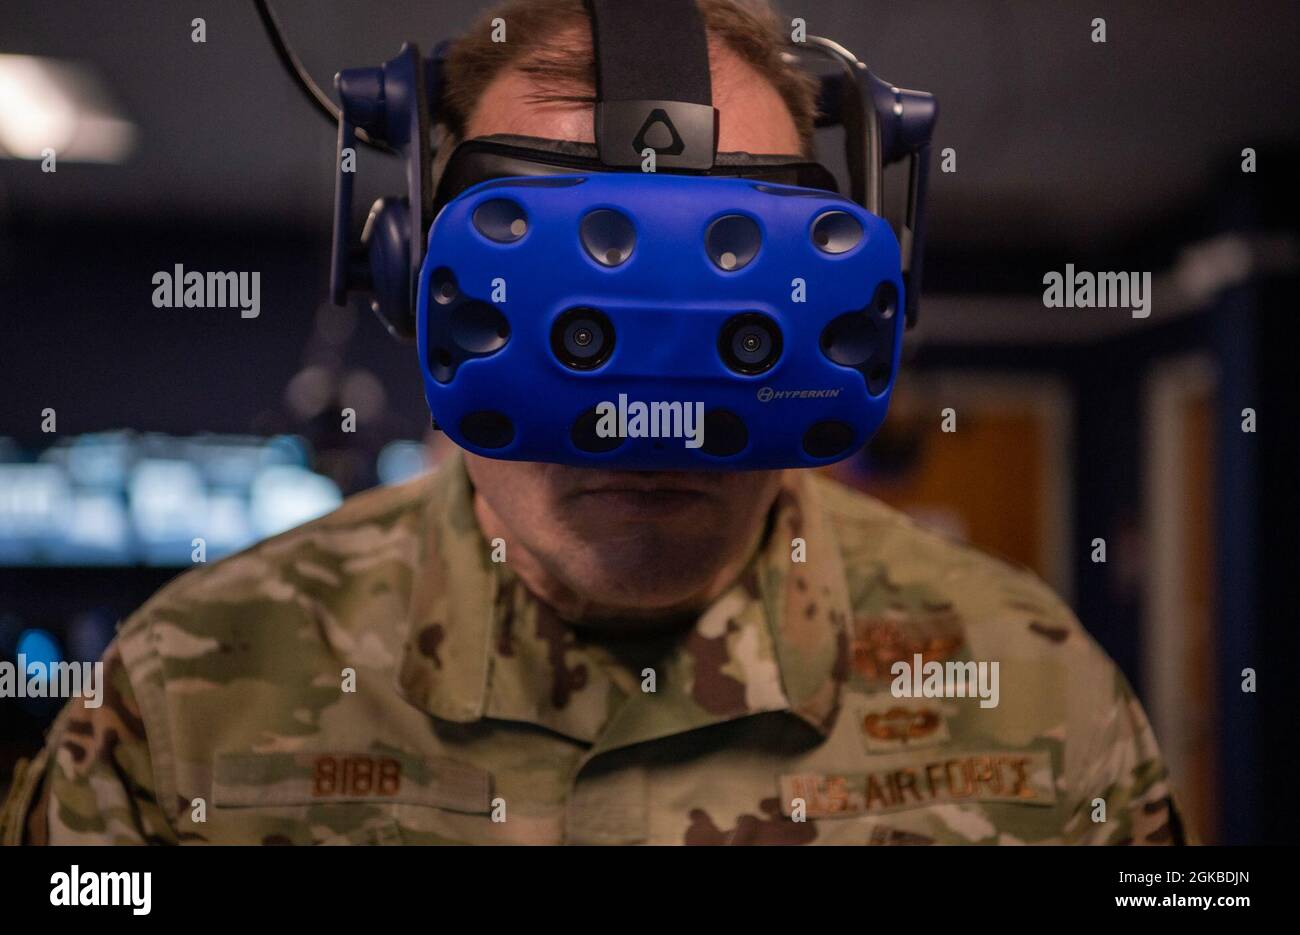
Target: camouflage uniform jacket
<point>374,677</point>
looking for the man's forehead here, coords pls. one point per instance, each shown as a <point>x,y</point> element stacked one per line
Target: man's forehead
<point>752,115</point>
<point>516,103</point>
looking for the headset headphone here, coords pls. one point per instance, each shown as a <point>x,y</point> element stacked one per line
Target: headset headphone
<point>653,94</point>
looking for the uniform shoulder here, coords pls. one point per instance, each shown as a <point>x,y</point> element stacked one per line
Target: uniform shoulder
<point>364,541</point>
<point>878,541</point>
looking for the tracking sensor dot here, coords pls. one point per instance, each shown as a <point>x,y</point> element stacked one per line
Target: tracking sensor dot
<point>886,301</point>
<point>585,437</point>
<point>444,286</point>
<point>488,429</point>
<point>442,365</point>
<point>836,232</point>
<point>828,438</point>
<point>501,220</point>
<point>732,242</point>
<point>850,339</point>
<point>607,236</point>
<point>479,328</point>
<point>724,433</point>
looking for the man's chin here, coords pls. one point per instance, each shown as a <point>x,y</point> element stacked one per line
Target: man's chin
<point>648,509</point>
<point>643,586</point>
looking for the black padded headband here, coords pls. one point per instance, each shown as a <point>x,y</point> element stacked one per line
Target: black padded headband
<point>653,89</point>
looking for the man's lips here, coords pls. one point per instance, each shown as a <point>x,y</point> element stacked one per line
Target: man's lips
<point>642,498</point>
<point>648,482</point>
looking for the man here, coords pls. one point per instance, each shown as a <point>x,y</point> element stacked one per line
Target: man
<point>515,652</point>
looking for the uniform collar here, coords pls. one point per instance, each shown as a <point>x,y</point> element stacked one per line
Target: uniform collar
<point>479,645</point>
<point>446,659</point>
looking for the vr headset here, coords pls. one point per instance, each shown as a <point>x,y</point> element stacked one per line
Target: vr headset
<point>646,302</point>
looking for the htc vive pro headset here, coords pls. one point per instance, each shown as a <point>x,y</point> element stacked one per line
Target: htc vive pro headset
<point>569,300</point>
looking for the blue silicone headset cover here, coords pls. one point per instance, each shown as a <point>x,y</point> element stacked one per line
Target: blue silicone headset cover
<point>488,301</point>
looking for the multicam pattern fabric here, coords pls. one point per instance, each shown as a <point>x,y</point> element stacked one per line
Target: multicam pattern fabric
<point>476,715</point>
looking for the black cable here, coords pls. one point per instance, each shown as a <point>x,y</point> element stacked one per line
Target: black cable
<point>319,99</point>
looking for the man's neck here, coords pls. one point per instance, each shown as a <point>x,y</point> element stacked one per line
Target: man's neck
<point>628,618</point>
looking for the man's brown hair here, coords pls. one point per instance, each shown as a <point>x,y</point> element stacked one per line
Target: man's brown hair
<point>749,28</point>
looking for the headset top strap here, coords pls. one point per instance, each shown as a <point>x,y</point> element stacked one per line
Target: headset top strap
<point>653,89</point>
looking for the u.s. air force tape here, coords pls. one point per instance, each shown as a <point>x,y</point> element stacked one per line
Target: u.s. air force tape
<point>1024,777</point>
